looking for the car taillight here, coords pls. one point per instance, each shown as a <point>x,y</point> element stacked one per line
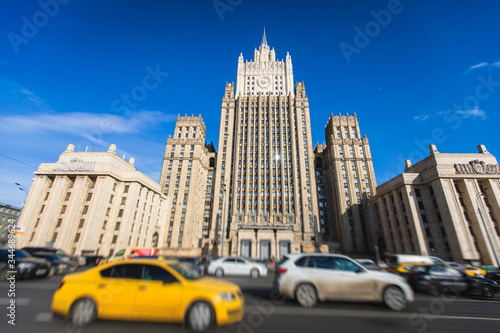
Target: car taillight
<point>282,270</point>
<point>60,285</point>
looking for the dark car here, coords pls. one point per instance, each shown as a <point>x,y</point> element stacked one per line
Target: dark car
<point>92,260</point>
<point>60,264</point>
<point>485,287</point>
<point>437,279</point>
<point>194,263</point>
<point>27,267</point>
<point>33,249</point>
<point>495,276</point>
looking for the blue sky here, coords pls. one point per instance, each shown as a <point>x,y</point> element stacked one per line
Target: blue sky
<point>415,73</point>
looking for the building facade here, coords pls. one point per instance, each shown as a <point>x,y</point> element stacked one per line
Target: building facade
<point>7,213</point>
<point>187,180</point>
<point>446,205</point>
<point>349,170</point>
<point>257,196</point>
<point>92,203</point>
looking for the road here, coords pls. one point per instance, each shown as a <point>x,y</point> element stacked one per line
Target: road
<point>264,312</point>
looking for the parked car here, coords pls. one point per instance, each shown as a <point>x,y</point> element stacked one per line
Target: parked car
<point>193,262</point>
<point>403,269</point>
<point>92,260</point>
<point>236,266</point>
<point>310,278</point>
<point>456,266</point>
<point>474,271</point>
<point>437,279</point>
<point>75,260</point>
<point>368,264</point>
<point>495,276</point>
<point>27,267</point>
<point>148,290</point>
<point>60,265</point>
<point>132,252</point>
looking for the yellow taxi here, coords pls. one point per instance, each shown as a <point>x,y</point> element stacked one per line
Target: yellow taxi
<point>148,290</point>
<point>404,267</point>
<point>474,271</point>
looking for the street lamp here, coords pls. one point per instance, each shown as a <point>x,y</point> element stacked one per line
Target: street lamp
<point>25,190</point>
<point>223,219</point>
<point>485,228</point>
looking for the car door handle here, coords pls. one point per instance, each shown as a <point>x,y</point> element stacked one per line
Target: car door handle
<point>102,285</point>
<point>143,288</point>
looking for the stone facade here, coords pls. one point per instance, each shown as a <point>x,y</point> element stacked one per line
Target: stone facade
<point>92,203</point>
<point>351,183</point>
<point>187,180</point>
<point>446,205</point>
<point>265,148</point>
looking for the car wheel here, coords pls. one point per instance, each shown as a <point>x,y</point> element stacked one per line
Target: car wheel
<point>254,274</point>
<point>306,295</point>
<point>3,275</point>
<point>394,298</point>
<point>487,291</point>
<point>219,272</point>
<point>200,317</point>
<point>82,312</point>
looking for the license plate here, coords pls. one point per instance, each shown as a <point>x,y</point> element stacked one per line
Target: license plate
<point>41,271</point>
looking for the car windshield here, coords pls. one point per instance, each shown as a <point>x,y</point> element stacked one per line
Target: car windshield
<point>185,271</point>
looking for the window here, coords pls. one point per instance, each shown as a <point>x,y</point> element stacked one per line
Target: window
<point>155,273</point>
<point>126,271</point>
<point>347,265</point>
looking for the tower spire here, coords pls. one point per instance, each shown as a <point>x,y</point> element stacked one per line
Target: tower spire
<point>264,40</point>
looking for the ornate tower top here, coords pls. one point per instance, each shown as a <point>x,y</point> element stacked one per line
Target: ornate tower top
<point>264,75</point>
<point>264,40</point>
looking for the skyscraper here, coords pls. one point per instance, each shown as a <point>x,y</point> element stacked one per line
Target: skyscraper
<point>352,183</point>
<point>265,181</point>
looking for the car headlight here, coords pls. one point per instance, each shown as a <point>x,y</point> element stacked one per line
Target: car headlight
<point>25,266</point>
<point>227,296</point>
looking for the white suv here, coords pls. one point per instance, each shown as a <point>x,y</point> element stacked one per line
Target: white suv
<point>314,277</point>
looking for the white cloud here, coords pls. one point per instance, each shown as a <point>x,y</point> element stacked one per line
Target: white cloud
<point>484,64</point>
<point>481,64</point>
<point>472,113</point>
<point>83,122</point>
<point>422,117</point>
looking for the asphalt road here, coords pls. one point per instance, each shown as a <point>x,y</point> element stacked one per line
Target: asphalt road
<point>264,312</point>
